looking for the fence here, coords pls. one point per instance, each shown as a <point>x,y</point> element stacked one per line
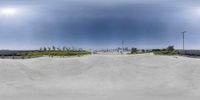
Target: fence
<point>189,52</point>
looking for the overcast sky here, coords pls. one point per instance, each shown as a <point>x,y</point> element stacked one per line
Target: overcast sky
<point>99,23</point>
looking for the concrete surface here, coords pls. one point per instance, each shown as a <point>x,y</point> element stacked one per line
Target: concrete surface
<point>101,77</point>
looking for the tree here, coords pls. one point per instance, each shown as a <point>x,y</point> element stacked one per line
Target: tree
<point>143,51</point>
<point>49,48</point>
<point>170,48</point>
<point>133,50</point>
<point>41,49</point>
<point>58,49</point>
<point>45,49</point>
<point>64,48</point>
<point>54,48</point>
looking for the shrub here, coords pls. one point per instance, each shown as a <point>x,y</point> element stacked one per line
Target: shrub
<point>133,50</point>
<point>165,52</point>
<point>54,53</point>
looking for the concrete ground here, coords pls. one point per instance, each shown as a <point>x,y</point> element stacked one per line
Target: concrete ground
<point>101,77</point>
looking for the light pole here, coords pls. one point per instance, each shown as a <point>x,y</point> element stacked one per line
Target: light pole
<point>122,45</point>
<point>183,39</point>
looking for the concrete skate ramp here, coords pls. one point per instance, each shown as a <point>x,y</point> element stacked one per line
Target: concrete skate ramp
<point>101,77</point>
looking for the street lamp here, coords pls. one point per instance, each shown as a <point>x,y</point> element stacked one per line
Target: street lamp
<point>183,33</point>
<point>122,45</point>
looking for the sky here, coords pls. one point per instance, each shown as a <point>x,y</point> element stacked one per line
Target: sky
<point>99,24</point>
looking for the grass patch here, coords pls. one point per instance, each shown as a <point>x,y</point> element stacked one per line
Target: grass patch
<point>60,53</point>
<point>165,52</point>
<point>138,52</point>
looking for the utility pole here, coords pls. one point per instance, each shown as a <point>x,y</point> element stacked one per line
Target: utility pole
<point>183,39</point>
<point>122,45</point>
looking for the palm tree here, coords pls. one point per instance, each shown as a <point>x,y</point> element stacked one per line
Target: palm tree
<point>68,49</point>
<point>41,49</point>
<point>49,48</point>
<point>45,49</point>
<point>64,48</point>
<point>58,48</point>
<point>54,48</point>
